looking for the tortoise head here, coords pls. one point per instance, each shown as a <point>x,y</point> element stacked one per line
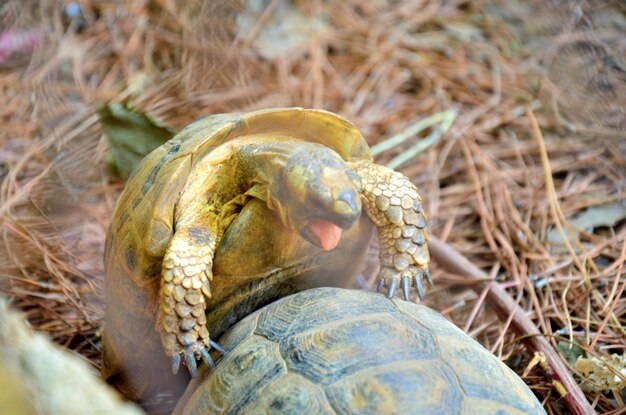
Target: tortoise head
<point>317,194</point>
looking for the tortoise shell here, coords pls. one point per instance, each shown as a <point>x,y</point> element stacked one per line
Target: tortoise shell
<point>145,210</point>
<point>257,261</point>
<point>334,351</point>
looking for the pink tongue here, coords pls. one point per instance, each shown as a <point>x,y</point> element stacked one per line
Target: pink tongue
<point>326,233</point>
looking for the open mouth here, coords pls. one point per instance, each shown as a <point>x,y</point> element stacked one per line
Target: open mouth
<point>326,234</point>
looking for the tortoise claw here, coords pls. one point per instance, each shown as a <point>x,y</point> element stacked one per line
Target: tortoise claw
<point>405,288</point>
<point>381,284</point>
<point>206,358</point>
<point>419,286</point>
<point>217,347</point>
<point>428,277</point>
<point>175,363</point>
<point>413,276</point>
<point>189,357</point>
<point>392,289</point>
<point>190,361</point>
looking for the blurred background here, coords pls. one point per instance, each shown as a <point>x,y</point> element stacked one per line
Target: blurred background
<point>445,91</point>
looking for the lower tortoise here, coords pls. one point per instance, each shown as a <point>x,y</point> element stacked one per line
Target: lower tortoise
<point>334,351</point>
<point>234,212</point>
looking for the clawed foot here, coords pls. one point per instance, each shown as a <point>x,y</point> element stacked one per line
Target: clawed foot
<point>392,202</point>
<point>184,289</point>
<point>392,279</point>
<point>192,352</point>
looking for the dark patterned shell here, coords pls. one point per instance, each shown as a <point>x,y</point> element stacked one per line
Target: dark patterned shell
<point>334,351</point>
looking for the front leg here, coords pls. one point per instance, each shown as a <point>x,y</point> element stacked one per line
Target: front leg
<point>391,201</point>
<point>186,273</point>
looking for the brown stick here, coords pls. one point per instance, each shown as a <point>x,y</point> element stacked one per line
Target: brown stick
<point>453,261</point>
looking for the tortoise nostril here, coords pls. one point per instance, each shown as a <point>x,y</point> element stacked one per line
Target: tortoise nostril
<point>350,198</point>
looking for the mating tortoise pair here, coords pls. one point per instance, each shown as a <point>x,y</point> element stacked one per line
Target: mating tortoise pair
<point>269,203</point>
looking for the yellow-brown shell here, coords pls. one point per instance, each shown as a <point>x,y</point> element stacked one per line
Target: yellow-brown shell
<point>143,221</point>
<point>142,227</point>
<point>330,351</point>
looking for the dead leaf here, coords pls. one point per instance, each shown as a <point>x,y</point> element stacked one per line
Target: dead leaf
<point>587,221</point>
<point>131,135</point>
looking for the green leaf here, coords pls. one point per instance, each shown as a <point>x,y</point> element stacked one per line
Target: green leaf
<point>570,352</point>
<point>131,135</point>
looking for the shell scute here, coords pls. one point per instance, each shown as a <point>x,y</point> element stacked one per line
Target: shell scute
<point>408,359</point>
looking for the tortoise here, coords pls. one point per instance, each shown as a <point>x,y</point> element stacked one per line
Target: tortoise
<point>236,211</point>
<point>337,351</point>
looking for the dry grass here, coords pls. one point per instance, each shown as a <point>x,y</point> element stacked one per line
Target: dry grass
<point>496,188</point>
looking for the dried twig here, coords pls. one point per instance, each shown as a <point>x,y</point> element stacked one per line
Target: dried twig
<point>452,261</point>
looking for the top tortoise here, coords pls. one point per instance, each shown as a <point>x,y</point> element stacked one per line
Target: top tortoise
<point>234,212</point>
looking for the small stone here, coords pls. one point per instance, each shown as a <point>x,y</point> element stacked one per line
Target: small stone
<point>408,231</point>
<point>188,338</point>
<point>179,293</point>
<point>196,284</point>
<point>394,214</point>
<point>394,201</point>
<point>382,203</point>
<point>187,324</point>
<point>193,297</point>
<point>407,202</point>
<point>400,262</point>
<point>387,193</point>
<point>187,283</point>
<point>182,309</point>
